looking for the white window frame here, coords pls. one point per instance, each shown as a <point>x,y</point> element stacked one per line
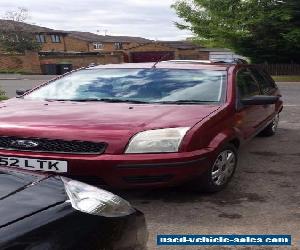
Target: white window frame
<point>98,46</point>
<point>55,38</point>
<point>38,38</point>
<point>118,46</point>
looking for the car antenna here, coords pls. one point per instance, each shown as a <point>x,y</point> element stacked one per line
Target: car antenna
<point>159,60</point>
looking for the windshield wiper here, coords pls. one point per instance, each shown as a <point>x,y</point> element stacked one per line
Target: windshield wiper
<point>185,102</point>
<point>121,100</point>
<point>72,100</point>
<point>110,100</point>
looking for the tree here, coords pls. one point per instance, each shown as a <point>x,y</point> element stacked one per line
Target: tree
<point>14,37</point>
<point>262,30</point>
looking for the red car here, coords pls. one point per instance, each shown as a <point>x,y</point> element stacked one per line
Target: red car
<point>141,125</point>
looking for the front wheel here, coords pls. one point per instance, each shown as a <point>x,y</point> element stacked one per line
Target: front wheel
<point>221,171</point>
<point>271,128</point>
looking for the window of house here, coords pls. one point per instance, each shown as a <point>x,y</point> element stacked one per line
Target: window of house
<point>118,45</point>
<point>98,46</point>
<point>40,38</point>
<point>55,38</point>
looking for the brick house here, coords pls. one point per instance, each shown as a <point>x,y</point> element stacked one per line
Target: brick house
<point>79,49</point>
<point>106,43</point>
<point>165,50</point>
<point>73,41</point>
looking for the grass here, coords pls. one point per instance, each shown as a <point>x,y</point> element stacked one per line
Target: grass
<point>3,96</point>
<point>286,78</point>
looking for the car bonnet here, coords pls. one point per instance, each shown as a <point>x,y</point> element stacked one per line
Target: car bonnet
<point>23,193</point>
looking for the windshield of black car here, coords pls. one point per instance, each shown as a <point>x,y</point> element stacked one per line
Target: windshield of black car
<point>139,85</point>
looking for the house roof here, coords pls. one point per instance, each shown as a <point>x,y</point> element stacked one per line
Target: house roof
<point>91,37</point>
<point>181,45</point>
<point>6,25</point>
<point>215,49</point>
<point>86,36</point>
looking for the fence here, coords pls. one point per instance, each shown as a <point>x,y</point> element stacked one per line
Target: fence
<point>282,69</point>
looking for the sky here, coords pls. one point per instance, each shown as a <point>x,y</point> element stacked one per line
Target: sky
<point>152,19</point>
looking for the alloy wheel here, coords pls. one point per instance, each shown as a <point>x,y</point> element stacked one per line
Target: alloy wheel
<point>223,167</point>
<point>275,123</point>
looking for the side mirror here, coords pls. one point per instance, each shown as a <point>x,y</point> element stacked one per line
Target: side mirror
<point>21,91</point>
<point>260,100</point>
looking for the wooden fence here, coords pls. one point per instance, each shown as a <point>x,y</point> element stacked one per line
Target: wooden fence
<point>282,69</point>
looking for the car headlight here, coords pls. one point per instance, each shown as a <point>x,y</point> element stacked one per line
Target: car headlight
<point>156,141</point>
<point>96,201</point>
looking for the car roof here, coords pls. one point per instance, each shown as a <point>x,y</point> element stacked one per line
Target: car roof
<point>174,64</point>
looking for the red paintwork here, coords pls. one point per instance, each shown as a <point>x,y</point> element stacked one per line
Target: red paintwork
<point>211,127</point>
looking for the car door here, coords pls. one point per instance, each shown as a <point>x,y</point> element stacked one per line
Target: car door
<point>268,87</point>
<point>249,117</point>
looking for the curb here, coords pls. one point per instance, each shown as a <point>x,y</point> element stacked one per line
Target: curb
<point>3,79</point>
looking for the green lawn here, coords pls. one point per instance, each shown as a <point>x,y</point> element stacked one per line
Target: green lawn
<point>2,95</point>
<point>286,78</point>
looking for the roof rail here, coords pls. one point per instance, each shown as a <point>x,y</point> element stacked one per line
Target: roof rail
<point>232,61</point>
<point>91,65</point>
<point>227,61</point>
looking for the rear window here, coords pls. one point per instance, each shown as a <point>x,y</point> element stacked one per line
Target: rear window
<point>147,85</point>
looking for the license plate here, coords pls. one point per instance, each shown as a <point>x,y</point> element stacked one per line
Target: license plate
<point>35,164</point>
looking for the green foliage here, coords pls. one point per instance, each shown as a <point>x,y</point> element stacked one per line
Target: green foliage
<point>286,78</point>
<point>17,41</point>
<point>262,30</point>
<point>2,95</point>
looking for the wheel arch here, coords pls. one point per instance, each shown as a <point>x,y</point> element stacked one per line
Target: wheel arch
<point>223,138</point>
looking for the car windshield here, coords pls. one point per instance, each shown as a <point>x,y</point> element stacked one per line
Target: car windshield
<point>136,85</point>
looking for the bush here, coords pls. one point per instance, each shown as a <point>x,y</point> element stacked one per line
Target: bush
<point>2,95</point>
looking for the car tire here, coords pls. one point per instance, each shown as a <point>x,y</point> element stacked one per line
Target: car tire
<point>271,129</point>
<point>221,171</point>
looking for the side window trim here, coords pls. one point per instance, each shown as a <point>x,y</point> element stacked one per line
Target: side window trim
<point>254,78</point>
<point>270,86</point>
<point>238,104</point>
<point>268,78</point>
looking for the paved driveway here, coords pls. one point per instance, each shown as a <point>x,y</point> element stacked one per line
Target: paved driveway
<point>264,197</point>
<point>10,83</point>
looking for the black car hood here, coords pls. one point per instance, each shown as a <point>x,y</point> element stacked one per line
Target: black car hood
<point>24,193</point>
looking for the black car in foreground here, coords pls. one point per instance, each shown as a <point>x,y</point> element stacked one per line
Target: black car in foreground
<point>47,212</point>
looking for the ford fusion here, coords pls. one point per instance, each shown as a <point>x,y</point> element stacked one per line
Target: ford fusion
<point>43,211</point>
<point>141,125</point>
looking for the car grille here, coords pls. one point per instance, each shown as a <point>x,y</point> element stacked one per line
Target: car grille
<point>51,146</point>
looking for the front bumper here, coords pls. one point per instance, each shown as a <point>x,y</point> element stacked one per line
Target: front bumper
<point>130,170</point>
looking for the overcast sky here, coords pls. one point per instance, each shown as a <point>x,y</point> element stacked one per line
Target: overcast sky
<point>153,19</point>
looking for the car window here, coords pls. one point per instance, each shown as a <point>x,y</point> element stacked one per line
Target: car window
<point>247,86</point>
<point>146,85</point>
<point>268,77</point>
<point>265,85</point>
